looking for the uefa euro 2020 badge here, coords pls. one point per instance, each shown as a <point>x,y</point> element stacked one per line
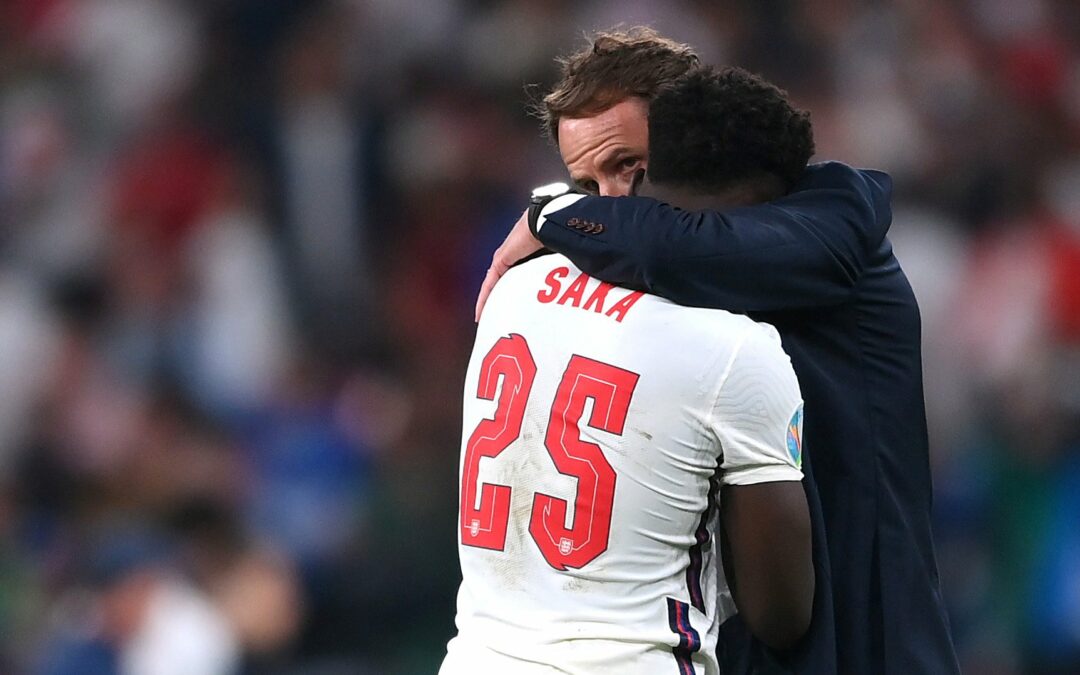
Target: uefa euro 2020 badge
<point>794,437</point>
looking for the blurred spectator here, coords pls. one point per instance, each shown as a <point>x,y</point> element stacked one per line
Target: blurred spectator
<point>139,616</point>
<point>319,145</point>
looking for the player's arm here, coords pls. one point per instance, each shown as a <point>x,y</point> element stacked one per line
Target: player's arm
<point>772,574</point>
<point>806,249</point>
<point>757,419</point>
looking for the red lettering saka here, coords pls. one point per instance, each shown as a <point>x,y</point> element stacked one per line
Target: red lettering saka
<point>576,290</point>
<point>598,298</point>
<point>552,281</point>
<point>623,306</point>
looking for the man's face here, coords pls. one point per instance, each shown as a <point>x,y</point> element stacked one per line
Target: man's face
<point>603,152</point>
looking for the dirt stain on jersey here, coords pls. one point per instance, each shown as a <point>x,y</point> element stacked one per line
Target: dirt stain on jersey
<point>644,434</point>
<point>520,466</point>
<point>575,585</point>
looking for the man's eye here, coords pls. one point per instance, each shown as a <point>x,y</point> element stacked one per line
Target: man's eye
<point>591,186</point>
<point>628,163</point>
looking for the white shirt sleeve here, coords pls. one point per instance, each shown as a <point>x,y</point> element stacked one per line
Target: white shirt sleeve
<point>757,414</point>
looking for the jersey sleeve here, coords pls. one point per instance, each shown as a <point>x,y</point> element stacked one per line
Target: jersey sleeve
<point>757,413</point>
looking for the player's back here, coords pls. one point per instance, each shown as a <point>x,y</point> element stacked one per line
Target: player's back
<point>594,418</point>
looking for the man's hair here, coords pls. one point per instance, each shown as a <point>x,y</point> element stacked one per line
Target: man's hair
<point>614,66</point>
<point>716,127</point>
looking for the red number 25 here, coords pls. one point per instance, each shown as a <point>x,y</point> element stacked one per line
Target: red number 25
<point>564,545</point>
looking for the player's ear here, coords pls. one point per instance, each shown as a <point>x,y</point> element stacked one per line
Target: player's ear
<point>636,181</point>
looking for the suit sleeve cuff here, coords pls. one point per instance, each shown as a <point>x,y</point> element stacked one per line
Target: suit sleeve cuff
<point>557,204</point>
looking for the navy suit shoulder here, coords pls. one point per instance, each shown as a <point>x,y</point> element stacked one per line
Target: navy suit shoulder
<point>872,187</point>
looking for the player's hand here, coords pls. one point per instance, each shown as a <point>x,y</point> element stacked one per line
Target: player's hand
<point>519,244</point>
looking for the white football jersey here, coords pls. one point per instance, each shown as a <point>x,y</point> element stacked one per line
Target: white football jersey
<point>599,423</point>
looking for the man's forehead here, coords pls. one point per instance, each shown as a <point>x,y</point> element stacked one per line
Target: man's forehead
<point>629,112</point>
<point>582,134</point>
<point>625,124</point>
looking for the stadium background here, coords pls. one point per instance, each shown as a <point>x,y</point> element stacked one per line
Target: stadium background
<point>240,242</point>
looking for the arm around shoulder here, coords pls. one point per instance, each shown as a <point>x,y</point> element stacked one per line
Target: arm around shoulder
<point>804,250</point>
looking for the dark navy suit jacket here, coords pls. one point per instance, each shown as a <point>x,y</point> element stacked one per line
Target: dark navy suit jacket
<point>817,265</point>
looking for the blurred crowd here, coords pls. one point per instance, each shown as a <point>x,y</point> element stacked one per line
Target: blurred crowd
<point>240,242</point>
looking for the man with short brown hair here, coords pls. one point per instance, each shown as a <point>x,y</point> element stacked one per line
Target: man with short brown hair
<point>616,66</point>
<point>815,263</point>
<point>607,88</point>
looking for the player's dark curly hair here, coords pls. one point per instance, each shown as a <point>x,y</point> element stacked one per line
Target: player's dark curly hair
<point>713,127</point>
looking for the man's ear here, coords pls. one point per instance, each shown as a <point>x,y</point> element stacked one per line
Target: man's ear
<point>635,183</point>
